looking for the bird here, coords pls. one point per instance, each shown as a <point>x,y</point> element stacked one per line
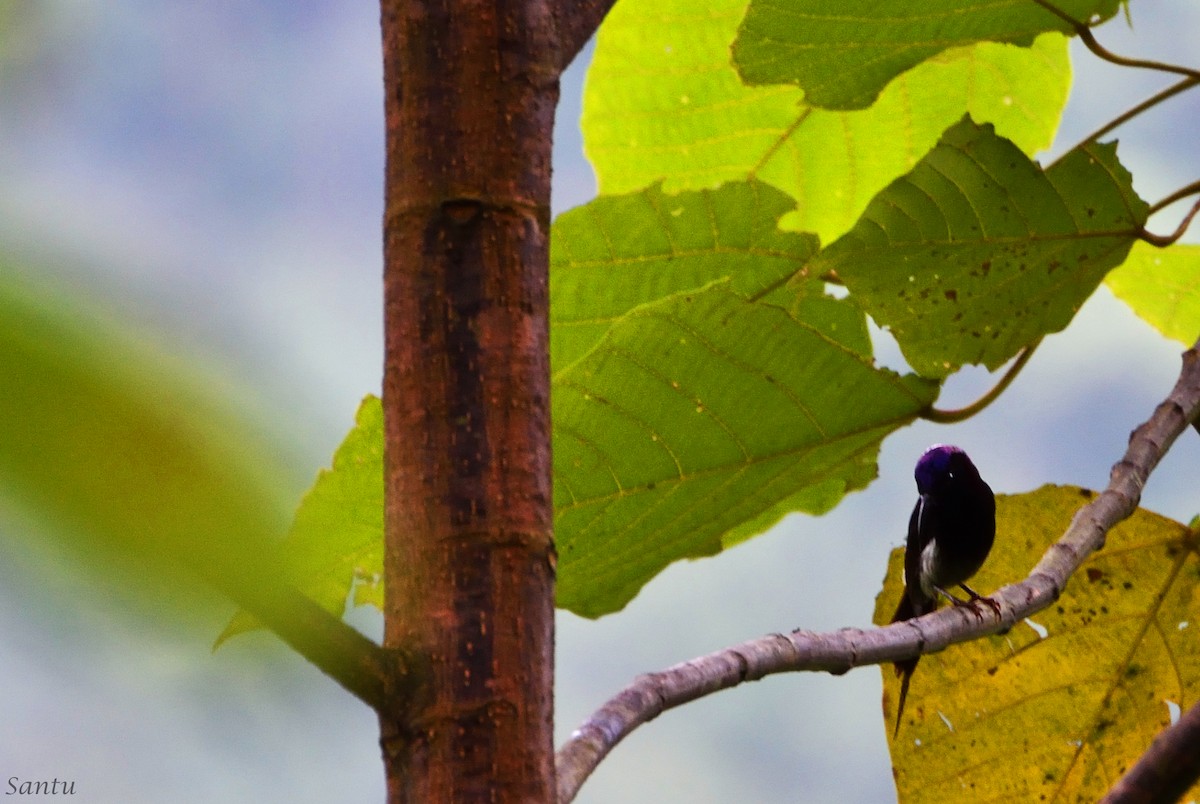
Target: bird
<point>950,534</point>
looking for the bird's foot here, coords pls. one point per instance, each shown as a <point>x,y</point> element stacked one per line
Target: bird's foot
<point>973,602</point>
<point>978,598</point>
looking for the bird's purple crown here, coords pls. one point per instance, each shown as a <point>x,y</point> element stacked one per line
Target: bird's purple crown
<point>934,463</point>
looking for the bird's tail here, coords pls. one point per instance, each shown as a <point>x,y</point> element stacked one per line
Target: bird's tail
<point>904,669</point>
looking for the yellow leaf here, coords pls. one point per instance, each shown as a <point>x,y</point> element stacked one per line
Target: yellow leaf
<point>1057,709</point>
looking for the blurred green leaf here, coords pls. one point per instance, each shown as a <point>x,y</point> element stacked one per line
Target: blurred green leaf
<point>1053,711</point>
<point>132,458</point>
<point>978,253</point>
<point>663,102</point>
<point>1162,285</point>
<point>698,421</point>
<point>843,54</point>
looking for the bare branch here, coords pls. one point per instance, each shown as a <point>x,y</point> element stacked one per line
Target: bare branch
<point>1168,768</point>
<point>838,651</point>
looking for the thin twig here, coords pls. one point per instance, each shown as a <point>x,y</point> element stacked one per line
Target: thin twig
<point>951,416</point>
<point>838,651</point>
<point>1084,32</point>
<point>1178,195</point>
<point>1154,100</point>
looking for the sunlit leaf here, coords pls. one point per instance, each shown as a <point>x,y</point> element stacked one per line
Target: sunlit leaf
<point>843,54</point>
<point>977,252</point>
<point>1056,710</point>
<point>698,421</point>
<point>1163,287</point>
<point>617,252</point>
<point>663,102</point>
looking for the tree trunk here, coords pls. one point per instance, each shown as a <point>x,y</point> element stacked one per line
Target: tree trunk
<point>471,87</point>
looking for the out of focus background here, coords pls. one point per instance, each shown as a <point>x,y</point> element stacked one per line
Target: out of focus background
<point>209,175</point>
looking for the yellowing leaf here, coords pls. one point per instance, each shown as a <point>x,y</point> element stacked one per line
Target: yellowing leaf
<point>1056,710</point>
<point>1162,285</point>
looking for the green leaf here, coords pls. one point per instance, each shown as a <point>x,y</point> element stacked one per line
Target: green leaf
<point>133,459</point>
<point>977,252</point>
<point>843,54</point>
<point>663,102</point>
<point>700,420</point>
<point>611,260</point>
<point>1056,712</point>
<point>617,252</point>
<point>698,397</point>
<point>1163,287</point>
<point>335,544</point>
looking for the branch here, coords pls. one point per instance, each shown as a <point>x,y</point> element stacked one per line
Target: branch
<point>577,22</point>
<point>366,670</point>
<point>838,651</point>
<point>1168,768</point>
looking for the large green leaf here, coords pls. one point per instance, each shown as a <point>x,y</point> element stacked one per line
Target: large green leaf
<point>842,54</point>
<point>977,252</point>
<point>1162,285</point>
<point>617,252</point>
<point>698,421</point>
<point>698,397</point>
<point>662,101</point>
<point>612,259</point>
<point>131,457</point>
<point>1053,711</point>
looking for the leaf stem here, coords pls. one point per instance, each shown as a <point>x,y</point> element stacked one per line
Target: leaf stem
<point>1166,94</point>
<point>1181,193</point>
<point>951,416</point>
<point>1165,240</point>
<point>1084,32</point>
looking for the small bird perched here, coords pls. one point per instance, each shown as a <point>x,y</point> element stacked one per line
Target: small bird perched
<point>949,535</point>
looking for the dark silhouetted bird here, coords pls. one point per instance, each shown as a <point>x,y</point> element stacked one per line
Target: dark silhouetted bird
<point>949,535</point>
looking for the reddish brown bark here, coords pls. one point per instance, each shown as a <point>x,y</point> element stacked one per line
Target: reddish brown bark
<point>471,87</point>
